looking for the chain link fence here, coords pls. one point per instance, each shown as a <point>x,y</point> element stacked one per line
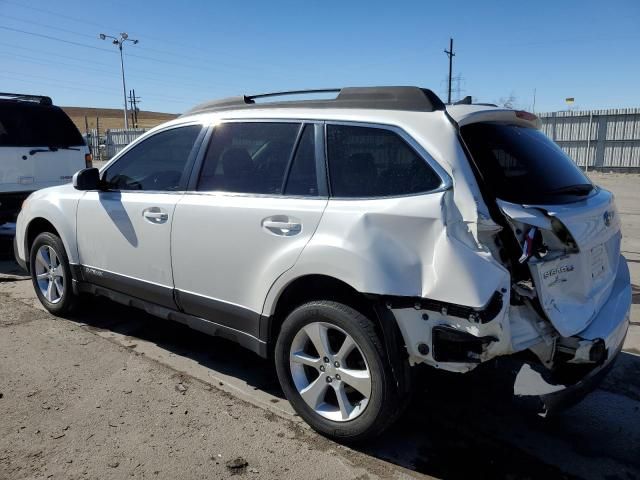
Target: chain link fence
<point>104,145</point>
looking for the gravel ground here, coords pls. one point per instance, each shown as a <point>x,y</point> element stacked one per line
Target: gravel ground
<point>76,406</point>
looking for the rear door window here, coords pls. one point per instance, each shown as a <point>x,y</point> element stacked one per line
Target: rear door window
<point>368,162</point>
<point>523,165</point>
<point>31,125</point>
<point>248,157</point>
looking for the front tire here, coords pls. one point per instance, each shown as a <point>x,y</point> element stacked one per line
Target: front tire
<point>334,371</point>
<point>51,274</point>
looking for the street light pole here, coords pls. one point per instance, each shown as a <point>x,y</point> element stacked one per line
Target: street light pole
<point>119,41</point>
<point>124,89</point>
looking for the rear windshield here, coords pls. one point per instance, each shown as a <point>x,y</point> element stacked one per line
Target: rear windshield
<point>31,125</point>
<point>523,165</point>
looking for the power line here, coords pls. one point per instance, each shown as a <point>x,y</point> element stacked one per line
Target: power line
<point>49,37</point>
<point>83,66</point>
<point>82,86</point>
<point>52,27</point>
<point>142,57</point>
<point>143,47</point>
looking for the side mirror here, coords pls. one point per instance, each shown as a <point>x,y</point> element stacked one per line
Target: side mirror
<point>87,179</point>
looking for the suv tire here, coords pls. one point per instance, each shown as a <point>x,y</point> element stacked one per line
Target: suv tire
<point>315,372</point>
<point>51,274</point>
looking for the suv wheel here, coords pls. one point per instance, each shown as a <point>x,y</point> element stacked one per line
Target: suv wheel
<point>333,369</point>
<point>51,274</point>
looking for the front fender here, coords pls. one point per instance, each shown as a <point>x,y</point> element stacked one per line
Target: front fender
<point>56,205</point>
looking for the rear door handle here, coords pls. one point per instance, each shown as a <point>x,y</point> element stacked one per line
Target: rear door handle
<point>155,215</point>
<point>285,227</point>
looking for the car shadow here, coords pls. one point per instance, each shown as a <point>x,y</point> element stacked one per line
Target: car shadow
<point>215,353</point>
<point>456,426</point>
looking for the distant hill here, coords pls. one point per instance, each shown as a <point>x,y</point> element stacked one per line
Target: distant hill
<point>113,118</point>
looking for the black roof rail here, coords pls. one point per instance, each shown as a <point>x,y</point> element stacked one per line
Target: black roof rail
<point>41,99</point>
<point>414,99</point>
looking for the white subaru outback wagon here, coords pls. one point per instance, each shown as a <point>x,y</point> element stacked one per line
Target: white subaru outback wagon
<point>352,238</point>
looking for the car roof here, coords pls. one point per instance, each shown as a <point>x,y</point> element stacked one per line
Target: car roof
<point>406,98</point>
<point>466,114</point>
<point>25,98</point>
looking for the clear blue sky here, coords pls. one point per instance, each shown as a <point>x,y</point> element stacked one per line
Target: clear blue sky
<point>191,51</point>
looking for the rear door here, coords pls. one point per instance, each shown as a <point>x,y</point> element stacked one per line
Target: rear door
<point>124,231</point>
<point>574,234</point>
<point>255,204</point>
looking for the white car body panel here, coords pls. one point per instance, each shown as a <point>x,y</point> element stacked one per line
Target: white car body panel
<point>573,287</point>
<point>215,224</point>
<point>58,205</point>
<point>23,172</point>
<point>115,236</point>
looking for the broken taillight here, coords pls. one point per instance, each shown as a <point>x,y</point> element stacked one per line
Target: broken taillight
<point>526,115</point>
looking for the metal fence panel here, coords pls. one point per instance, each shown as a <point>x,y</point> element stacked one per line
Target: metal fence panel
<point>104,145</point>
<point>600,139</point>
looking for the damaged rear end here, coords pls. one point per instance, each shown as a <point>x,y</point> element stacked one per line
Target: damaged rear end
<point>565,311</point>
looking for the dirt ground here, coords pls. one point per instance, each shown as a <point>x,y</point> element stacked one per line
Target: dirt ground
<point>115,393</point>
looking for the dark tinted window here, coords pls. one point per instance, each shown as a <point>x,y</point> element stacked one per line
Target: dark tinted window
<point>302,176</point>
<point>24,124</point>
<point>248,157</point>
<point>157,163</point>
<point>523,165</point>
<point>374,162</point>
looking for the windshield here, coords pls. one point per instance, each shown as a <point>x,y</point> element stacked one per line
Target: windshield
<point>31,125</point>
<point>523,165</point>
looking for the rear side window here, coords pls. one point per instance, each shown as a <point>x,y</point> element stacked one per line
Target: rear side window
<point>370,162</point>
<point>523,165</point>
<point>157,163</point>
<point>31,125</point>
<point>248,157</point>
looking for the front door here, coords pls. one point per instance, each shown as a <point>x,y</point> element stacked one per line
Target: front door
<point>124,230</point>
<point>257,204</point>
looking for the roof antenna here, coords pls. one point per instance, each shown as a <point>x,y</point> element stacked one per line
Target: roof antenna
<point>465,101</point>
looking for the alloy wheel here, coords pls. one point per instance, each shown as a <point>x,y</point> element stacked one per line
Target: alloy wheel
<point>49,274</point>
<point>330,371</point>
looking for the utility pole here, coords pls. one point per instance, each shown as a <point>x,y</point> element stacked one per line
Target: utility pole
<point>133,106</point>
<point>450,54</point>
<point>533,107</point>
<point>119,41</point>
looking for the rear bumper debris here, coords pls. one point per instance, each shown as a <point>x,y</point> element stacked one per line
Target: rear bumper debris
<point>609,327</point>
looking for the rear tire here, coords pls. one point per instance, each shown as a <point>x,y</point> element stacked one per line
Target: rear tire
<point>334,371</point>
<point>51,274</point>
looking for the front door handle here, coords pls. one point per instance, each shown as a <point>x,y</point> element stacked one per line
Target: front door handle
<point>155,215</point>
<point>284,226</point>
